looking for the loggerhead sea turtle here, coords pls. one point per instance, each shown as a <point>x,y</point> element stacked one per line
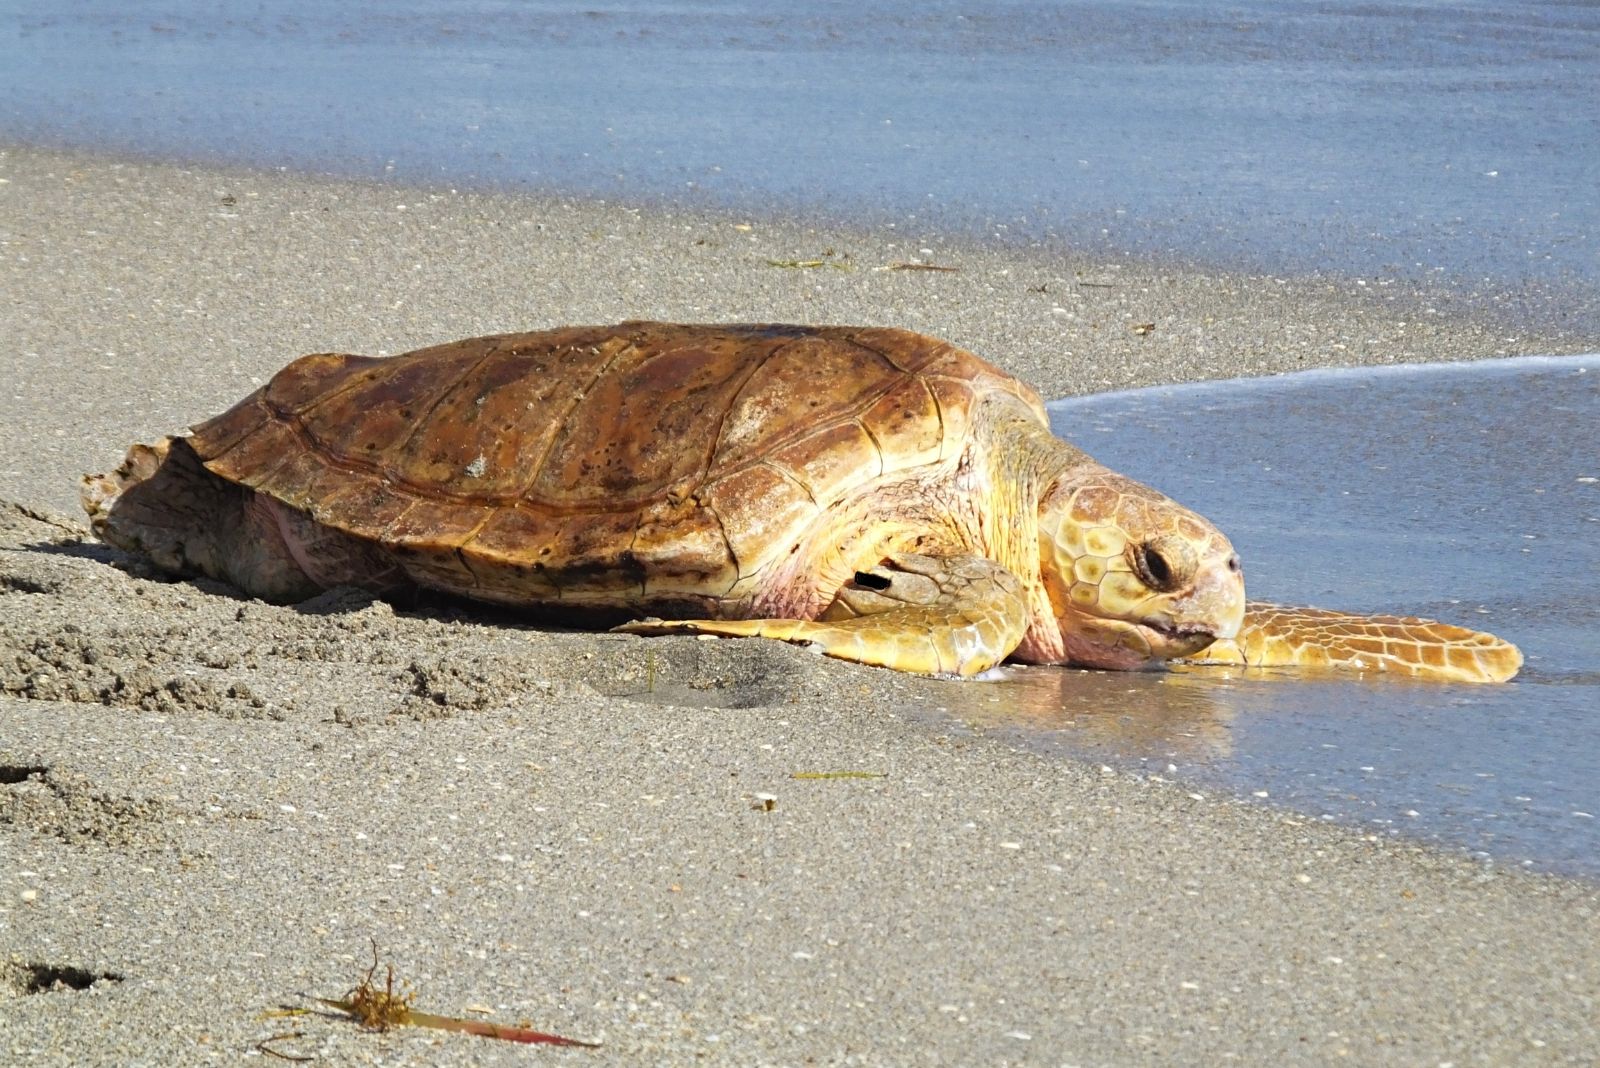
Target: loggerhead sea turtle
<point>885,495</point>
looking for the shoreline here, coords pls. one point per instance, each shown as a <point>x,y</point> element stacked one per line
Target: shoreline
<point>1399,319</point>
<point>381,269</point>
<point>219,802</point>
<point>1517,306</point>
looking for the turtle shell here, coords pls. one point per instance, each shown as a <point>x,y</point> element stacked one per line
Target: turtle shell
<point>618,464</point>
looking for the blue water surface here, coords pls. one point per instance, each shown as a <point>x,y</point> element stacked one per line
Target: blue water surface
<point>1463,492</point>
<point>1432,140</point>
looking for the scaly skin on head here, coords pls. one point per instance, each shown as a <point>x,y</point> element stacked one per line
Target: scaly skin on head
<point>1117,574</point>
<point>1132,577</point>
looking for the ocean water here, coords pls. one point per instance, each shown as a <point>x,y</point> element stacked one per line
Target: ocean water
<point>1463,492</point>
<point>1455,141</point>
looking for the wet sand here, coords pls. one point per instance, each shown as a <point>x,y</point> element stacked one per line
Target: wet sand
<point>209,807</point>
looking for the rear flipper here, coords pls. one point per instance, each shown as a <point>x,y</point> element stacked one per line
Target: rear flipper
<point>952,615</point>
<point>164,505</point>
<point>1280,636</point>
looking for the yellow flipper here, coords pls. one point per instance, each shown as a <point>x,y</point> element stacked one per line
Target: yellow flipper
<point>951,615</point>
<point>1281,636</point>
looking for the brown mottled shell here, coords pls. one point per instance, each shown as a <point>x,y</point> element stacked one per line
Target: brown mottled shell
<point>635,462</point>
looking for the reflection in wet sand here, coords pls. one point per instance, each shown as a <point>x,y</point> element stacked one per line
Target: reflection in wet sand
<point>1158,715</point>
<point>1186,713</point>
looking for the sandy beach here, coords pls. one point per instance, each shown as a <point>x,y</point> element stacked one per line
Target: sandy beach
<point>211,808</point>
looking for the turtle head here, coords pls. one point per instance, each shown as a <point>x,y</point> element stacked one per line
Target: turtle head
<point>1132,577</point>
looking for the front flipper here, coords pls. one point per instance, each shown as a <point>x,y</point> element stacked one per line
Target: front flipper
<point>1275,635</point>
<point>949,615</point>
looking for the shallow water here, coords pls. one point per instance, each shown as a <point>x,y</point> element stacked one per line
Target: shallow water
<point>1465,492</point>
<point>1456,140</point>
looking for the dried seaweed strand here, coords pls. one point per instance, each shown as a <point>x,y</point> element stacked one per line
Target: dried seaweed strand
<point>381,1008</point>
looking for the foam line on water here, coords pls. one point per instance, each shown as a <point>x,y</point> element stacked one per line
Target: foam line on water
<point>1508,365</point>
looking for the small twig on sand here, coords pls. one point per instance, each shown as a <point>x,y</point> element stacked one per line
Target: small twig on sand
<point>264,1046</point>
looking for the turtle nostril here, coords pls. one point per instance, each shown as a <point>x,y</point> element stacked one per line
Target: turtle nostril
<point>871,581</point>
<point>1233,563</point>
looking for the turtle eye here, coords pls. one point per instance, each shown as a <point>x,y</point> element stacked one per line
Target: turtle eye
<point>1153,567</point>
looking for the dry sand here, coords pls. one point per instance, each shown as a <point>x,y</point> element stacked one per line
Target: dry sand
<point>209,807</point>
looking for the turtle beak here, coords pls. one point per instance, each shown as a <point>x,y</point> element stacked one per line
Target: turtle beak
<point>1215,601</point>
